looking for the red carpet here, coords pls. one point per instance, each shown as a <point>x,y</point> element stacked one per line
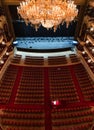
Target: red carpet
<point>48,125</point>
<point>16,84</point>
<point>76,84</point>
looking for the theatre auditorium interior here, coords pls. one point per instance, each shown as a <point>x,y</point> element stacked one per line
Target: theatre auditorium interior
<point>46,65</point>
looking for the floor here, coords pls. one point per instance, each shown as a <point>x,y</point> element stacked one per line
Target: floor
<point>45,42</point>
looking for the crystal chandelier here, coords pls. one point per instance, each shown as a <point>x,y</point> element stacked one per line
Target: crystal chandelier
<point>48,13</point>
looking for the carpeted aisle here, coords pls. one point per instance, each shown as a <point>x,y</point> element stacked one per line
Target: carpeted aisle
<point>48,125</point>
<point>76,84</point>
<point>15,87</point>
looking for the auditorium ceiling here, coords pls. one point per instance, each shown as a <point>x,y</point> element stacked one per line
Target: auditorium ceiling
<point>16,2</point>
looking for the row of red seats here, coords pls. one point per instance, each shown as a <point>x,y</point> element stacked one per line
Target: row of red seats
<point>7,84</point>
<point>85,83</point>
<point>74,58</point>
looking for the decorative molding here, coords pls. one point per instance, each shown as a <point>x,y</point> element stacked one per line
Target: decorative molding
<point>91,3</point>
<point>89,21</point>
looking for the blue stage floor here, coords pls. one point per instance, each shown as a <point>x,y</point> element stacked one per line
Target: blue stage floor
<point>45,42</point>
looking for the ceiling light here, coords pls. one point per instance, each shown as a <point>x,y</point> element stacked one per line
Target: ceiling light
<point>48,13</point>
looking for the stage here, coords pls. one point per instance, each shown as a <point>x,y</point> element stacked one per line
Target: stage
<point>45,44</point>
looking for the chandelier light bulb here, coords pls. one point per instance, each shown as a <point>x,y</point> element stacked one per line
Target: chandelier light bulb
<point>48,13</point>
<point>92,29</point>
<point>87,41</point>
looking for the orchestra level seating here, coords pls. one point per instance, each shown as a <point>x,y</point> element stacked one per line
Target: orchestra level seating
<point>46,98</point>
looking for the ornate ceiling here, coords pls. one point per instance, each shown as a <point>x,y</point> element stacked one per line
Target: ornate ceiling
<point>16,2</point>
